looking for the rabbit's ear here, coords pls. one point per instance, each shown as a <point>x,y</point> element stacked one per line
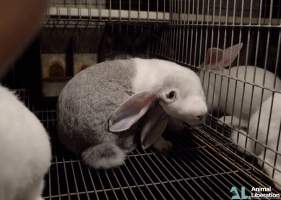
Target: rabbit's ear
<point>230,54</point>
<point>155,123</point>
<point>213,56</point>
<point>130,111</point>
<point>217,59</point>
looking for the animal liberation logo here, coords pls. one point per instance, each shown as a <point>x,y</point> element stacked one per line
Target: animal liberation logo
<point>255,193</point>
<point>237,195</point>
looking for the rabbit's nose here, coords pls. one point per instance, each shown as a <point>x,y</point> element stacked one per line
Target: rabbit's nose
<point>200,114</point>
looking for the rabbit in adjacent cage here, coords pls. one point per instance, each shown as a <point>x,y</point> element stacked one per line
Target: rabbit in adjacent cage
<point>25,151</point>
<point>268,134</point>
<point>103,108</point>
<point>236,93</point>
<point>231,95</point>
<point>264,127</point>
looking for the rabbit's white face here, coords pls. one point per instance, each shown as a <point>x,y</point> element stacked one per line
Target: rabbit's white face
<point>177,88</point>
<point>187,105</point>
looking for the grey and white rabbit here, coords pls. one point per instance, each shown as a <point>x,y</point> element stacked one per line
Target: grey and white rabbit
<point>105,109</point>
<point>227,94</point>
<point>25,151</point>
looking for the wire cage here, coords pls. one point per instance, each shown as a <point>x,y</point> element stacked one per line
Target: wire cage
<point>207,162</point>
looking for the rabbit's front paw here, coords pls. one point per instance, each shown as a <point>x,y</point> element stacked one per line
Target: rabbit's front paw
<point>163,146</point>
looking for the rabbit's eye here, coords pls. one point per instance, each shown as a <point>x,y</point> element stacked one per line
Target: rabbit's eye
<point>171,95</point>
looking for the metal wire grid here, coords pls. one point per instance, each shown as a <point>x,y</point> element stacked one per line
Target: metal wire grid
<point>196,26</point>
<point>86,13</point>
<point>192,21</point>
<point>198,168</point>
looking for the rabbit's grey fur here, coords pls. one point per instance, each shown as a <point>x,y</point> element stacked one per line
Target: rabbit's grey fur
<point>95,94</point>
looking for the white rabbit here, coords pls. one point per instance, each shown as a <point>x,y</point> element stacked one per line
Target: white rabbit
<point>266,144</point>
<point>223,58</point>
<point>273,140</point>
<point>102,109</point>
<point>219,89</point>
<point>25,152</point>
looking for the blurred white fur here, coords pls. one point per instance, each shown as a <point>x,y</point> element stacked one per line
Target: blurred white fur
<point>24,150</point>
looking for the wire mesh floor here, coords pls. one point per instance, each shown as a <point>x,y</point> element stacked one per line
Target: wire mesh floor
<point>197,168</point>
<point>202,165</point>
